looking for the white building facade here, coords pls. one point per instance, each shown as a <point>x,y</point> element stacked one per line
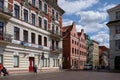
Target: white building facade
<point>30,34</point>
<point>114,26</point>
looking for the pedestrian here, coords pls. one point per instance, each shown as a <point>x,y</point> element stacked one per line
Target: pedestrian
<point>35,69</point>
<point>4,71</point>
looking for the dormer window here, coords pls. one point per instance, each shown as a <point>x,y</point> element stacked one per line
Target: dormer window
<point>118,15</point>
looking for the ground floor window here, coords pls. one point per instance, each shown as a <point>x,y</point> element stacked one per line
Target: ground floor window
<point>1,58</point>
<point>55,62</point>
<point>45,62</point>
<point>16,61</point>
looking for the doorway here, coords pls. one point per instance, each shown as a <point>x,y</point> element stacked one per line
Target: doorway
<point>117,62</point>
<point>31,64</point>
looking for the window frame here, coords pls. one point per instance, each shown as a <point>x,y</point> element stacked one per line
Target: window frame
<point>45,8</point>
<point>39,40</point>
<point>17,61</point>
<point>117,15</point>
<point>33,18</point>
<point>2,2</point>
<point>25,35</point>
<point>26,15</point>
<point>1,59</point>
<point>40,22</point>
<point>33,2</point>
<point>33,38</point>
<point>45,41</point>
<point>16,33</point>
<point>16,11</point>
<point>45,24</point>
<point>40,6</point>
<point>117,29</point>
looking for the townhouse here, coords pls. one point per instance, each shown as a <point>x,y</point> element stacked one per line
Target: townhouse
<point>74,47</point>
<point>30,34</point>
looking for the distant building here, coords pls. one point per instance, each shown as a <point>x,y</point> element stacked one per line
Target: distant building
<point>30,34</point>
<point>114,26</point>
<point>94,55</point>
<point>104,57</point>
<point>89,48</point>
<point>74,48</point>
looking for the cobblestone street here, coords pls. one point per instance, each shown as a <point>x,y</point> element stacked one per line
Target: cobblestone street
<point>65,75</point>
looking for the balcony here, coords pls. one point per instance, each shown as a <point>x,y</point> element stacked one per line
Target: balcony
<point>27,44</point>
<point>5,39</point>
<point>55,35</point>
<point>5,13</point>
<point>55,50</point>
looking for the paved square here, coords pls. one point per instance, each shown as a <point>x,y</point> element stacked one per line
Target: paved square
<point>66,75</point>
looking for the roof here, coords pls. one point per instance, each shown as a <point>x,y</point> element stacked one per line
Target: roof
<point>116,7</point>
<point>103,47</point>
<point>112,22</point>
<point>67,28</point>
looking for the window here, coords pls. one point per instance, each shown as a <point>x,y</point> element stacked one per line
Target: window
<point>1,4</point>
<point>118,15</point>
<point>40,5</point>
<point>52,28</point>
<point>16,11</point>
<point>45,41</point>
<point>25,35</point>
<point>1,59</point>
<point>33,2</point>
<point>55,62</point>
<point>56,29</point>
<point>45,62</point>
<point>39,40</point>
<point>16,61</point>
<point>40,22</point>
<point>45,7</point>
<point>16,33</point>
<point>56,15</point>
<point>45,24</point>
<point>72,50</point>
<point>117,29</point>
<point>25,15</point>
<point>57,43</point>
<point>53,12</point>
<point>33,38</point>
<point>33,19</point>
<point>1,29</point>
<point>48,62</point>
<point>73,41</point>
<point>42,62</point>
<point>117,44</point>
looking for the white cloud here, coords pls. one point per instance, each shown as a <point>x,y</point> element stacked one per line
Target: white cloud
<point>93,22</point>
<point>92,17</point>
<point>67,22</point>
<point>71,7</point>
<point>106,7</point>
<point>102,37</point>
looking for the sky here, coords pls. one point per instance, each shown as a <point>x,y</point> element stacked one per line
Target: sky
<point>90,15</point>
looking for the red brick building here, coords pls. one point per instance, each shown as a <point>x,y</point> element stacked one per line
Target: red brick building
<point>104,57</point>
<point>74,48</point>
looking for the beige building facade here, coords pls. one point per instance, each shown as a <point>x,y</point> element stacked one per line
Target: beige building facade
<point>114,26</point>
<point>30,34</point>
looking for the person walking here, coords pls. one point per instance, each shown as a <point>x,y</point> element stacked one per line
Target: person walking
<point>35,69</point>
